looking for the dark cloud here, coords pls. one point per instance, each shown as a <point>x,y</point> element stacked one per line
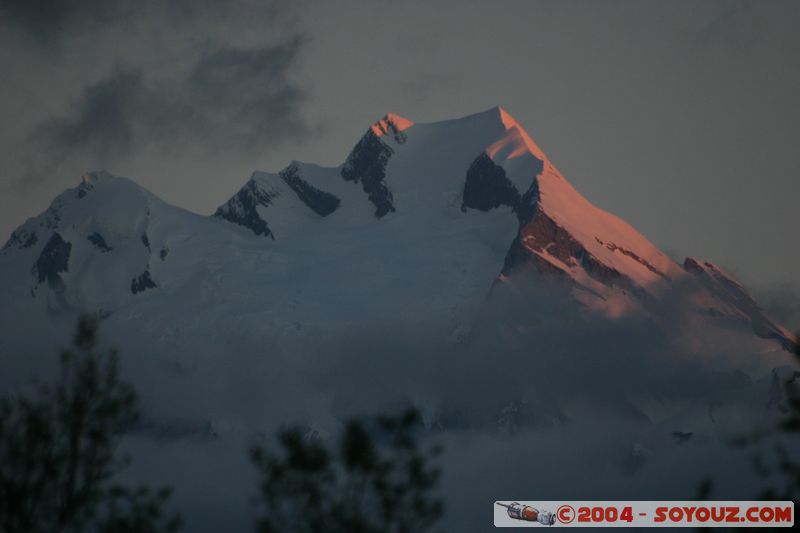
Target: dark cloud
<point>104,119</point>
<point>151,80</point>
<point>248,89</point>
<point>49,21</point>
<point>231,98</point>
<point>45,20</point>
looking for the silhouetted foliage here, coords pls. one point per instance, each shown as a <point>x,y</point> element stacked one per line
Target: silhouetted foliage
<point>377,480</point>
<point>136,511</point>
<point>782,463</point>
<point>58,450</point>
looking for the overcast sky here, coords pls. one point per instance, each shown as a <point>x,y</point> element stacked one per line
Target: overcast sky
<point>682,117</point>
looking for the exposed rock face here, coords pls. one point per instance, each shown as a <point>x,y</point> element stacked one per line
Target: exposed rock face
<point>87,184</point>
<point>366,164</point>
<point>99,242</point>
<point>487,186</point>
<point>241,209</point>
<point>53,260</point>
<point>721,285</point>
<point>541,236</point>
<point>519,256</point>
<point>393,126</point>
<point>321,202</point>
<point>21,239</point>
<point>143,282</point>
<point>614,248</point>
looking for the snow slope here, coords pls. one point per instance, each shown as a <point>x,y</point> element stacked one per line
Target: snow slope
<point>417,225</point>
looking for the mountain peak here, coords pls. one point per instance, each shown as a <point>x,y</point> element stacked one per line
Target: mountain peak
<point>505,117</point>
<point>105,179</point>
<point>390,124</point>
<point>97,176</point>
<point>516,141</point>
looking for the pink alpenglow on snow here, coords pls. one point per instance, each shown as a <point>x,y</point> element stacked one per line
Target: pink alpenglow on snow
<point>390,124</point>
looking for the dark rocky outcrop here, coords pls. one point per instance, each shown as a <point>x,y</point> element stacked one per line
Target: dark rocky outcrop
<point>542,234</point>
<point>146,241</point>
<point>624,251</point>
<point>726,289</point>
<point>387,126</point>
<point>21,238</point>
<point>241,209</point>
<point>526,207</point>
<point>720,284</point>
<point>30,241</point>
<point>53,260</point>
<point>143,282</point>
<point>99,242</point>
<point>518,256</point>
<point>487,186</point>
<point>682,437</point>
<point>321,202</point>
<point>366,164</point>
<point>86,186</point>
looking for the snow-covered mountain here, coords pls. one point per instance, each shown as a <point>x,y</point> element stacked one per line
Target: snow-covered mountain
<point>448,265</point>
<point>418,225</point>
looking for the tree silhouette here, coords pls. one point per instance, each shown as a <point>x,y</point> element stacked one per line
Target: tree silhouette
<point>379,480</point>
<point>58,450</point>
<point>782,463</point>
